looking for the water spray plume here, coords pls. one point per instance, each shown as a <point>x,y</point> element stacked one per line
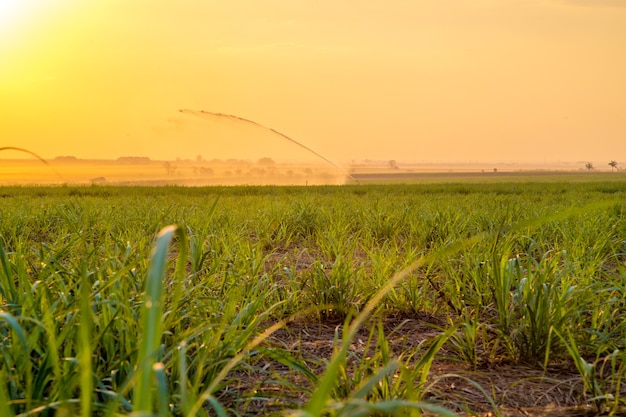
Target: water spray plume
<point>212,115</point>
<point>14,148</point>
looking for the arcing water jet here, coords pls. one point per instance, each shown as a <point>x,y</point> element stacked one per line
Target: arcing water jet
<point>14,148</point>
<point>212,115</point>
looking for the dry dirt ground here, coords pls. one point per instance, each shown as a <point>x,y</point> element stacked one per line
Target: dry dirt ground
<point>515,389</point>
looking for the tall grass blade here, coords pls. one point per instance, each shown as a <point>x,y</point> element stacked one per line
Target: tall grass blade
<point>356,407</point>
<point>5,408</point>
<point>369,384</point>
<point>84,346</point>
<point>586,370</point>
<point>26,366</point>
<point>16,328</point>
<point>185,401</point>
<point>162,390</point>
<point>152,315</point>
<point>7,286</point>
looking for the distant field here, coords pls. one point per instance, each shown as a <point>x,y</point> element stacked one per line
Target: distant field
<point>485,177</point>
<point>155,173</point>
<point>450,296</point>
<point>203,173</point>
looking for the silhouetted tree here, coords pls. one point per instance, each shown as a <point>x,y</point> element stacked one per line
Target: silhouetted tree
<point>169,168</point>
<point>393,164</point>
<point>589,166</point>
<point>613,165</point>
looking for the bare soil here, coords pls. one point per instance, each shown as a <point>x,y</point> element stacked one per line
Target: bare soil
<point>515,389</point>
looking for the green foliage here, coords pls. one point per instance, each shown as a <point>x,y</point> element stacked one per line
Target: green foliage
<point>100,317</point>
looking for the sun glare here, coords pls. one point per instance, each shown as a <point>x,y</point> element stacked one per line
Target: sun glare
<point>10,12</point>
<point>16,15</point>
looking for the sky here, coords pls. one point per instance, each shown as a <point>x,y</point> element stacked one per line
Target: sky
<point>410,80</point>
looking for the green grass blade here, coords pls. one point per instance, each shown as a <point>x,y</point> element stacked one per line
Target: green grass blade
<point>162,390</point>
<point>16,328</point>
<point>7,286</point>
<point>185,401</point>
<point>85,349</point>
<point>360,407</point>
<point>369,384</point>
<point>5,408</point>
<point>152,313</point>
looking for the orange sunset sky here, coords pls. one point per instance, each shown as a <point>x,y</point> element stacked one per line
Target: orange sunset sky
<point>421,80</point>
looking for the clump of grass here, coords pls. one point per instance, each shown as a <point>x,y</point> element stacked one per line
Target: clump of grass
<point>335,289</point>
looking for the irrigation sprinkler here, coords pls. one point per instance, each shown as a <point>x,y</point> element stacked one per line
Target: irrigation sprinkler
<point>211,115</point>
<point>15,148</point>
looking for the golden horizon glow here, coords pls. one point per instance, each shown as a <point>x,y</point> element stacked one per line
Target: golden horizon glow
<point>432,81</point>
